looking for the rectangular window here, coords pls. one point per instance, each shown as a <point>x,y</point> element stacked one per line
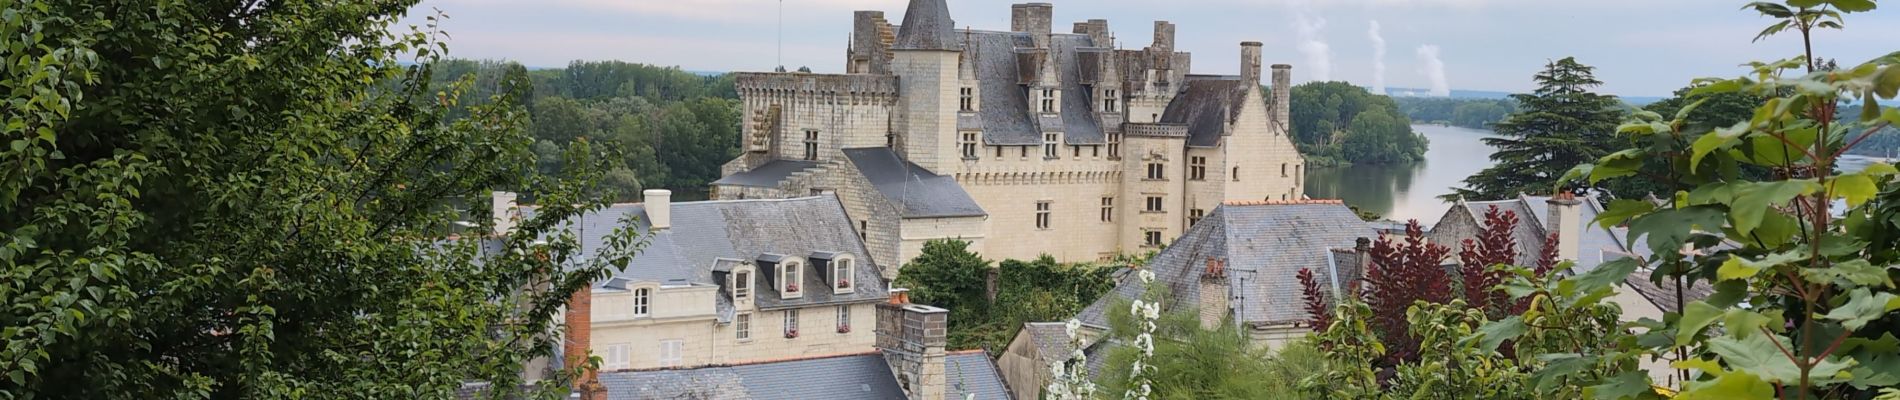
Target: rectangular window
<point>1108,100</point>
<point>1023,150</point>
<point>1282,170</point>
<point>1042,215</point>
<point>1049,145</point>
<point>789,285</point>
<point>670,352</point>
<point>999,151</point>
<point>1236,174</point>
<point>811,144</point>
<point>791,323</point>
<point>1154,204</point>
<point>1108,209</point>
<point>1095,151</point>
<point>968,99</point>
<point>614,357</point>
<point>742,326</point>
<point>841,272</point>
<point>1114,145</point>
<point>642,298</point>
<point>1151,238</point>
<point>1194,216</point>
<point>968,142</point>
<point>864,230</point>
<point>1048,100</point>
<point>1156,171</point>
<point>844,319</point>
<point>1077,150</point>
<point>1197,168</point>
<point>741,285</point>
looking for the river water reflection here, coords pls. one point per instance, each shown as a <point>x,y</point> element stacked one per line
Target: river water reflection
<point>1408,191</point>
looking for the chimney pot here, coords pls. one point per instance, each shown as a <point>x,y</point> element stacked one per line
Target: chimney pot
<point>659,205</point>
<point>1564,220</point>
<point>505,212</point>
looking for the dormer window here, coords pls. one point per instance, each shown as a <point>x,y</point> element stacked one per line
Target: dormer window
<point>789,278</point>
<point>967,99</point>
<point>741,285</point>
<point>841,270</point>
<point>1108,100</point>
<point>642,300</point>
<point>1048,101</point>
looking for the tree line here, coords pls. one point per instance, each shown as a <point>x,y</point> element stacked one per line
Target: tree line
<point>1337,123</point>
<point>1463,113</point>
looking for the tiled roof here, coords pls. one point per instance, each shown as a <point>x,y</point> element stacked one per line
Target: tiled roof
<point>1207,106</point>
<point>704,233</point>
<point>972,372</point>
<point>1262,244</point>
<point>767,175</point>
<point>915,191</point>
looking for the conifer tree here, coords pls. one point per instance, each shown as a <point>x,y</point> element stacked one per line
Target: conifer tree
<point>1557,126</point>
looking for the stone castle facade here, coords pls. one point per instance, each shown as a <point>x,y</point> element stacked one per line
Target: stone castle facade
<point>1023,142</point>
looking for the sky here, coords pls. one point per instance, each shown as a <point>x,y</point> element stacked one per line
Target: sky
<point>1640,47</point>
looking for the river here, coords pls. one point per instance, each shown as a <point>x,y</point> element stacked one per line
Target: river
<point>1408,191</point>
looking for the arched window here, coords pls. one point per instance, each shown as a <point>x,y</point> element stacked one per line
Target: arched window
<point>642,299</point>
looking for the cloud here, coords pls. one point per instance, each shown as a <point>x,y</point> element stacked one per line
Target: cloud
<point>1319,55</point>
<point>1378,58</point>
<point>1433,67</point>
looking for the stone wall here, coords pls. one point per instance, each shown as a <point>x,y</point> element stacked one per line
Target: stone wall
<point>704,341</point>
<point>846,111</point>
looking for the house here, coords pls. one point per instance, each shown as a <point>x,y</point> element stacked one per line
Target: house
<point>1023,141</point>
<point>727,282</point>
<point>1572,220</point>
<point>1025,364</point>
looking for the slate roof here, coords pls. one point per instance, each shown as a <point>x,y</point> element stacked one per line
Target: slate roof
<point>1263,245</point>
<point>927,26</point>
<point>1664,296</point>
<point>915,191</point>
<point>972,372</point>
<point>1207,105</point>
<point>1005,115</point>
<point>851,376</point>
<point>1594,243</point>
<point>768,175</point>
<point>1051,340</point>
<point>856,376</point>
<point>706,232</point>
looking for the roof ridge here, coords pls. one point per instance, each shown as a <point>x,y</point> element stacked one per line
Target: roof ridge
<point>1282,202</point>
<point>754,362</point>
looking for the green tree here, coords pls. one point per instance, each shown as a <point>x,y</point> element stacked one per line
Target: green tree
<point>1557,126</point>
<point>239,200</point>
<point>1336,121</point>
<point>1804,303</point>
<point>1191,361</point>
<point>947,274</point>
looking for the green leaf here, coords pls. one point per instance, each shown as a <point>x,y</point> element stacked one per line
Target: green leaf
<point>1629,384</point>
<point>1887,84</point>
<point>1495,333</point>
<point>1605,275</point>
<point>1739,267</point>
<point>1683,114</point>
<point>1857,188</point>
<point>1855,272</point>
<point>1741,323</point>
<point>1752,200</point>
<point>1618,164</point>
<point>1666,230</point>
<point>1727,386</point>
<point>1863,306</point>
<point>1721,138</point>
<point>1759,355</point>
<point>1621,210</point>
<point>1695,316</point>
<point>1853,5</point>
<point>1879,169</point>
<point>1877,361</point>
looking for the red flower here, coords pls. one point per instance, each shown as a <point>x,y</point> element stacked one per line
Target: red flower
<point>791,288</point>
<point>791,333</point>
<point>844,283</point>
<point>844,328</point>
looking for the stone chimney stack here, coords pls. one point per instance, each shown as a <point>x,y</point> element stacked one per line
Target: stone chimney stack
<point>1097,29</point>
<point>1250,64</point>
<point>1283,97</point>
<point>1565,221</point>
<point>912,338</point>
<point>659,204</point>
<point>1034,18</point>
<point>1164,38</point>
<point>504,211</point>
<point>579,339</point>
<point>1214,293</point>
<point>871,38</point>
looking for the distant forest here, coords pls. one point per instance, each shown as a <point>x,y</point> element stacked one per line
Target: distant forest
<point>667,128</point>
<point>1336,123</point>
<point>1471,113</point>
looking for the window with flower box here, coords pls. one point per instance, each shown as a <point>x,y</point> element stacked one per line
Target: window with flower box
<point>844,319</point>
<point>791,323</point>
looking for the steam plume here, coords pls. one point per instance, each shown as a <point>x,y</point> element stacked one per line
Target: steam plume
<point>1433,68</point>
<point>1378,58</point>
<point>1319,55</point>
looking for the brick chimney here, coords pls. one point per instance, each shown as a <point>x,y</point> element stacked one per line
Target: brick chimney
<point>912,337</point>
<point>659,204</point>
<point>1214,293</point>
<point>579,339</point>
<point>1565,221</point>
